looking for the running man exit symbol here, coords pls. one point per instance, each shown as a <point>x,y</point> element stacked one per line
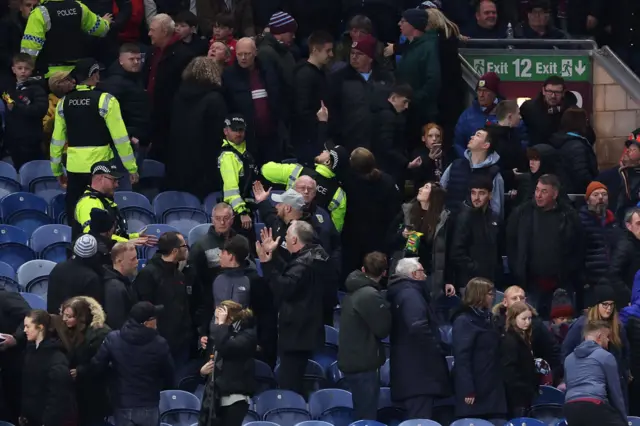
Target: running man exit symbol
<point>479,66</point>
<point>567,67</point>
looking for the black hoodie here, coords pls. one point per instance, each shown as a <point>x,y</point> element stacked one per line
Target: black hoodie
<point>309,88</point>
<point>508,144</point>
<point>119,297</point>
<point>550,163</point>
<point>578,158</point>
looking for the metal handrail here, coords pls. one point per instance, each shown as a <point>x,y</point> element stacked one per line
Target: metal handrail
<point>531,41</point>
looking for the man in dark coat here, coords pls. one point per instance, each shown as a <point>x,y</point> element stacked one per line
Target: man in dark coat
<point>625,261</point>
<point>119,296</point>
<point>509,143</point>
<point>11,31</point>
<point>419,371</point>
<point>275,47</point>
<point>486,24</point>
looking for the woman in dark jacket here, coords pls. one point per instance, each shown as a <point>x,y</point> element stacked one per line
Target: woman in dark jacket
<point>197,125</point>
<point>478,374</point>
<point>85,330</point>
<point>432,153</point>
<point>48,398</point>
<point>230,372</point>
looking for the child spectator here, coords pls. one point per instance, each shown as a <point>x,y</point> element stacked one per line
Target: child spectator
<point>519,367</point>
<point>434,159</point>
<point>562,314</point>
<point>223,29</point>
<point>26,105</point>
<point>187,29</point>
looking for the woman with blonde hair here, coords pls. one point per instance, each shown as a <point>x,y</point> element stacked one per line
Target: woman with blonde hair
<point>197,124</point>
<point>230,371</point>
<point>478,382</point>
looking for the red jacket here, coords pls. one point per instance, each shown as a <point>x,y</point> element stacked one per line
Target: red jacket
<point>131,31</point>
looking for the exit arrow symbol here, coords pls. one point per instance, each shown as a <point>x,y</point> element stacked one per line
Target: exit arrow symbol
<point>580,69</point>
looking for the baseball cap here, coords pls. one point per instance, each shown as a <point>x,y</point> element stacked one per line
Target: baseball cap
<point>145,311</point>
<point>235,122</point>
<point>106,168</point>
<point>85,68</point>
<point>291,198</point>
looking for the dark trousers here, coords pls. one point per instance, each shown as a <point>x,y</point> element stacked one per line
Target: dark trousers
<point>292,368</point>
<point>233,415</point>
<point>591,414</point>
<point>365,390</point>
<point>77,183</point>
<point>419,407</point>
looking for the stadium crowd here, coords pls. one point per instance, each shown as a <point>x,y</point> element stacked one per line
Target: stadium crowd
<point>356,191</point>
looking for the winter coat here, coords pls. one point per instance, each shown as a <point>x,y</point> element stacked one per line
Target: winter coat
<point>135,103</point>
<point>388,143</point>
<point>91,391</point>
<point>48,397</point>
<point>629,195</point>
<point>161,283</point>
<point>142,365</point>
<point>298,292</point>
<point>197,122</point>
<point>579,160</point>
<point>473,118</point>
<point>511,148</point>
<point>478,370</point>
<point>242,12</point>
<point>13,309</point>
<point>351,100</point>
<point>475,31</point>
<point>623,265</point>
<point>74,277</point>
<point>418,363</point>
<point>551,33</point>
<point>342,53</point>
<point>119,298</point>
<point>519,371</point>
<point>601,235</point>
<point>365,319</point>
<point>11,30</point>
<point>430,170</point>
<point>630,317</point>
<point>420,68</point>
<point>232,284</point>
<point>280,56</point>
<point>23,123</point>
<point>451,102</point>
<point>550,163</point>
<point>309,89</point>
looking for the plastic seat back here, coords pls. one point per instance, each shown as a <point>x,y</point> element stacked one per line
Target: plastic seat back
<point>12,234</point>
<point>385,373</point>
<point>8,278</point>
<point>181,416</point>
<point>549,395</point>
<point>51,242</point>
<point>156,229</point>
<point>265,379</point>
<point>168,201</point>
<point>34,301</point>
<point>16,254</point>
<point>25,211</point>
<point>152,169</point>
<point>328,354</point>
<point>37,176</point>
<point>260,423</point>
<point>313,423</point>
<point>211,200</point>
<point>388,412</point>
<point>336,377</point>
<point>471,422</point>
<point>633,421</point>
<point>57,209</point>
<point>190,383</point>
<point>8,179</point>
<point>525,421</point>
<point>287,416</point>
<point>136,209</point>
<point>198,232</point>
<point>185,220</point>
<point>325,400</point>
<point>250,417</point>
<point>34,276</point>
<point>178,400</point>
<point>278,398</point>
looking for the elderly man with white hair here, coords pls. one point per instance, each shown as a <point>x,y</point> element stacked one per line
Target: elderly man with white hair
<point>164,68</point>
<point>419,371</point>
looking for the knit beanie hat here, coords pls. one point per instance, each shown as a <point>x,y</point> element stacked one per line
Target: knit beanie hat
<point>86,246</point>
<point>602,293</point>
<point>489,81</point>
<point>282,22</point>
<point>366,45</point>
<point>417,18</point>
<point>561,306</point>
<point>592,187</point>
<point>101,221</point>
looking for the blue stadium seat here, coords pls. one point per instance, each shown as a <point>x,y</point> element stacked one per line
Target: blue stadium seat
<point>525,421</point>
<point>33,276</point>
<point>549,395</point>
<point>186,221</point>
<point>12,234</point>
<point>313,423</point>
<point>499,297</point>
<point>8,278</point>
<point>282,407</point>
<point>264,377</point>
<point>446,334</point>
<point>57,210</point>
<point>8,179</point>
<point>190,383</point>
<point>549,414</point>
<point>256,262</point>
<point>34,301</point>
<point>179,209</point>
<point>156,229</point>
<point>419,422</point>
<point>251,417</point>
<point>388,412</point>
<point>633,421</point>
<point>387,347</point>
<point>198,232</point>
<point>336,377</point>
<point>336,317</point>
<point>179,407</point>
<point>471,422</point>
<point>385,374</point>
<point>15,254</point>
<point>332,405</point>
<point>51,242</point>
<point>36,176</point>
<point>151,177</point>
<point>5,423</point>
<point>260,423</point>
<point>136,209</point>
<point>211,201</point>
<point>564,423</point>
<point>49,194</point>
<point>257,227</point>
<point>328,354</point>
<point>141,264</point>
<point>199,392</point>
<point>367,423</point>
<point>25,211</point>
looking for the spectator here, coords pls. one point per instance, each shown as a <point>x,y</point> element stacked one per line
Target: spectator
<point>562,315</point>
<point>384,16</point>
<point>593,385</point>
<point>585,19</point>
<point>227,394</point>
<point>252,88</point>
<point>630,317</point>
<point>475,245</point>
<point>509,144</point>
<point>118,289</point>
<point>141,364</point>
<point>576,150</point>
<point>162,282</point>
<point>164,68</point>
<point>26,103</point>
<point>60,83</point>
<point>486,25</point>
<point>275,47</point>
<point>520,375</point>
<point>353,90</point>
<point>358,28</point>
<point>297,288</point>
<point>481,111</point>
<point>433,155</point>
<point>223,33</point>
<point>79,276</point>
<point>601,232</point>
<point>623,262</point>
<point>629,181</point>
<point>479,159</point>
<point>419,371</point>
<point>221,53</point>
<point>543,160</point>
<point>197,123</point>
<point>240,10</point>
<point>538,25</point>
<point>187,29</point>
<point>309,90</point>
<point>374,201</point>
<point>543,264</point>
<point>84,332</point>
<point>12,28</point>
<point>102,227</point>
<point>233,284</point>
<point>365,320</point>
<point>124,81</point>
<point>420,68</point>
<point>478,378</point>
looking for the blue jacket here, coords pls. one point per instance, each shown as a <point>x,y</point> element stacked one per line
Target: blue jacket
<point>141,365</point>
<point>590,372</point>
<point>472,119</point>
<point>632,310</point>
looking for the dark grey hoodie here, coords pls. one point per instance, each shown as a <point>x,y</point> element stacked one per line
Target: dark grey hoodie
<point>232,284</point>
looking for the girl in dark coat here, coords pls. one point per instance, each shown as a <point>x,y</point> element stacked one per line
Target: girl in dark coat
<point>48,398</point>
<point>519,368</point>
<point>230,372</point>
<point>432,153</point>
<point>478,378</point>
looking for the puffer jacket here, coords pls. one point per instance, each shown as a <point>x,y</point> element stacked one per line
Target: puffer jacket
<point>601,235</point>
<point>578,158</point>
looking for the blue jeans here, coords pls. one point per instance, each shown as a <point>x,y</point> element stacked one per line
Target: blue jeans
<point>365,390</point>
<point>141,416</point>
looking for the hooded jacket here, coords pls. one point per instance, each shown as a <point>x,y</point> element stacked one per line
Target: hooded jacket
<point>365,319</point>
<point>578,159</point>
<point>510,145</point>
<point>550,163</point>
<point>75,277</point>
<point>590,372</point>
<point>232,284</point>
<point>119,297</point>
<point>473,118</point>
<point>23,123</point>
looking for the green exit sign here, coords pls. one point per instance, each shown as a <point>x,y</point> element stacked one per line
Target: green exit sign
<point>518,67</point>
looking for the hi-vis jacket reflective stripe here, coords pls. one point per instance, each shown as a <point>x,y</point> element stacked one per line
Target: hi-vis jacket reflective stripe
<point>81,158</point>
<point>231,170</point>
<point>287,174</point>
<point>83,214</point>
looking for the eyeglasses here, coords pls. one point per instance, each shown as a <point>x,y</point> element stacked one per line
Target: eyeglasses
<point>111,178</point>
<point>608,305</point>
<point>554,92</point>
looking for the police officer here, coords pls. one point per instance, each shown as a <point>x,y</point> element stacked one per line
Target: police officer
<point>55,33</point>
<point>238,171</point>
<point>99,195</point>
<point>330,195</point>
<point>91,122</point>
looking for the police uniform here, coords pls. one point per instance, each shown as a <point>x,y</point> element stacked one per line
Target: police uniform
<point>55,34</point>
<point>92,199</point>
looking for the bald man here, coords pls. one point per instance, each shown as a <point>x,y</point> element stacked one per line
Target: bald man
<point>253,89</point>
<point>543,344</point>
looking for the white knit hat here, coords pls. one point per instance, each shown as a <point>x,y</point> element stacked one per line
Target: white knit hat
<point>85,246</point>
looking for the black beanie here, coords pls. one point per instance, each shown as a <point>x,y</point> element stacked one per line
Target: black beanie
<point>417,18</point>
<point>602,293</point>
<point>101,221</point>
